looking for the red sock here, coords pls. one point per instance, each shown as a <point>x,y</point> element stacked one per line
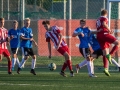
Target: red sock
<point>69,63</point>
<point>64,66</point>
<point>105,62</point>
<point>114,49</point>
<point>9,66</point>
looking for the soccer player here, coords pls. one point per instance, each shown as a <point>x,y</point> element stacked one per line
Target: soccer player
<point>14,35</point>
<point>26,43</point>
<point>105,38</point>
<point>83,32</point>
<point>3,44</point>
<point>95,55</point>
<point>53,33</point>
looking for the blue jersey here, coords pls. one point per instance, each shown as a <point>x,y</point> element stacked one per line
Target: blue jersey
<point>84,43</point>
<point>15,42</point>
<point>93,42</point>
<point>27,33</point>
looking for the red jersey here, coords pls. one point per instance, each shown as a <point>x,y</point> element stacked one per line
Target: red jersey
<point>3,36</point>
<point>100,26</point>
<point>53,35</point>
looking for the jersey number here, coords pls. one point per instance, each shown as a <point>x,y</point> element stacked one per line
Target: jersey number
<point>98,24</point>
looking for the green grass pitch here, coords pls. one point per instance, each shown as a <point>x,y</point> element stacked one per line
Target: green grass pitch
<point>51,80</point>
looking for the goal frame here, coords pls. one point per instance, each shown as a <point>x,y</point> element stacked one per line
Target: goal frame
<point>109,18</point>
<point>109,9</point>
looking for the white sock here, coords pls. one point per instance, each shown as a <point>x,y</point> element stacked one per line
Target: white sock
<point>89,67</point>
<point>92,67</point>
<point>33,63</point>
<point>83,63</point>
<point>115,63</point>
<point>17,61</point>
<point>22,63</point>
<point>13,62</point>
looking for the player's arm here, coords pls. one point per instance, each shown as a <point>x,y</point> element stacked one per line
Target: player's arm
<point>106,26</point>
<point>60,40</point>
<point>23,38</point>
<point>77,33</point>
<point>49,49</point>
<point>49,45</point>
<point>35,43</point>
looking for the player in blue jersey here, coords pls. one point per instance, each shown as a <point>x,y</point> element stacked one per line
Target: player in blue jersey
<point>26,42</point>
<point>14,35</point>
<point>83,33</point>
<point>97,52</point>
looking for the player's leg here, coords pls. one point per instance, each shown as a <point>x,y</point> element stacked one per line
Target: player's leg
<point>13,50</point>
<point>24,60</point>
<point>116,64</point>
<point>22,49</point>
<point>33,63</point>
<point>111,40</point>
<point>7,55</point>
<point>65,52</point>
<point>105,62</point>
<point>115,48</point>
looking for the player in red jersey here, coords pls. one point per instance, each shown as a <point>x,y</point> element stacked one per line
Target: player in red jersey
<point>3,44</point>
<point>53,34</point>
<point>105,38</point>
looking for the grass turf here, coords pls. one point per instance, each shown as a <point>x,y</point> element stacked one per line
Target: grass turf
<point>51,80</point>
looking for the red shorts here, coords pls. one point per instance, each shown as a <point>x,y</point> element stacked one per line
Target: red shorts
<point>63,49</point>
<point>105,40</point>
<point>5,52</point>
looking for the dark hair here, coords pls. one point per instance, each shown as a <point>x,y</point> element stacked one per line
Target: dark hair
<point>46,22</point>
<point>2,19</point>
<point>103,12</point>
<point>82,20</point>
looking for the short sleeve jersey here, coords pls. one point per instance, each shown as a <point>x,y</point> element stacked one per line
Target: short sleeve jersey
<point>15,42</point>
<point>54,37</point>
<point>93,42</point>
<point>84,43</point>
<point>3,36</point>
<point>27,33</point>
<point>99,25</point>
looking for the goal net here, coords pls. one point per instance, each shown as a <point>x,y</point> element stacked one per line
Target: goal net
<point>113,7</point>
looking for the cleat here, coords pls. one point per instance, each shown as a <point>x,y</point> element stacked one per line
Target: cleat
<point>106,72</point>
<point>18,70</point>
<point>93,76</point>
<point>119,69</point>
<point>33,71</point>
<point>77,68</point>
<point>10,73</point>
<point>71,74</point>
<point>12,68</point>
<point>63,74</point>
<point>109,58</point>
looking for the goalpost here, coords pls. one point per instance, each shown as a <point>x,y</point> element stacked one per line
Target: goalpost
<point>114,20</point>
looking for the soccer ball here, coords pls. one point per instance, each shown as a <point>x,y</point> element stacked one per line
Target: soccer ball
<point>52,66</point>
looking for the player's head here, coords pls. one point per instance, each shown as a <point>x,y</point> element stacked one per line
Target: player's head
<point>46,24</point>
<point>82,22</point>
<point>27,22</point>
<point>15,24</point>
<point>104,12</point>
<point>2,21</point>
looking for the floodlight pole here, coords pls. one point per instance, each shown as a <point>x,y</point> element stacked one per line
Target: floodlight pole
<point>64,9</point>
<point>8,9</point>
<point>1,8</point>
<point>109,11</point>
<point>119,10</point>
